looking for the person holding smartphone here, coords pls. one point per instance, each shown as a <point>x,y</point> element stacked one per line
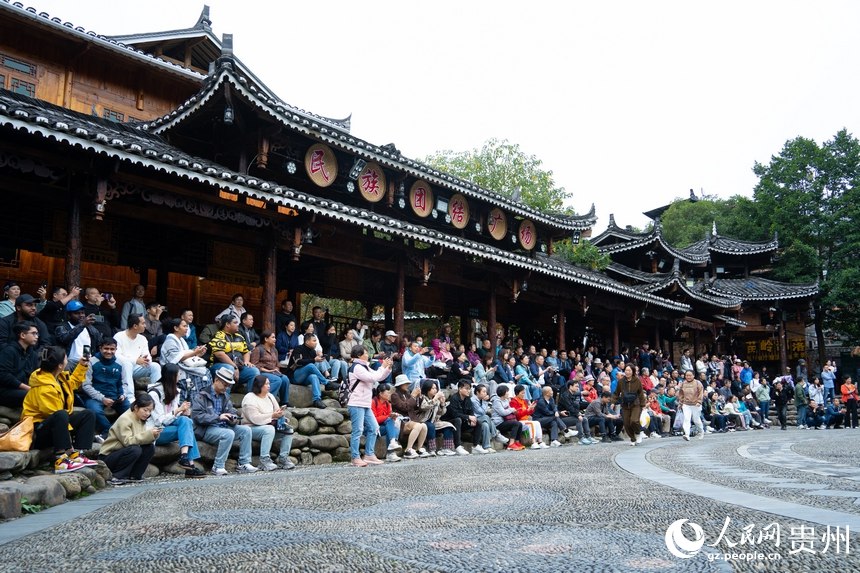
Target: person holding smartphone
<point>265,417</point>
<point>130,444</point>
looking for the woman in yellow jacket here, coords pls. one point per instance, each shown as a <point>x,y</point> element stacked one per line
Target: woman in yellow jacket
<point>130,445</point>
<point>50,402</point>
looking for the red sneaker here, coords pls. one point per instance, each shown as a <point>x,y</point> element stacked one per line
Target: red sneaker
<point>80,458</point>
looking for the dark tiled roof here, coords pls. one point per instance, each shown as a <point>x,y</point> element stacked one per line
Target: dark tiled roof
<point>730,320</point>
<point>384,155</point>
<point>655,236</point>
<point>614,231</point>
<point>638,275</point>
<point>129,143</point>
<point>757,288</point>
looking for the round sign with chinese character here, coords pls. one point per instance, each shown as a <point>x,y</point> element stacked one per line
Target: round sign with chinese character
<point>371,183</point>
<point>527,235</point>
<point>421,198</point>
<point>458,210</point>
<point>497,224</point>
<point>321,165</point>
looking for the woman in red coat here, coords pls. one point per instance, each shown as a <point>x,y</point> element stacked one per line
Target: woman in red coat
<point>524,410</point>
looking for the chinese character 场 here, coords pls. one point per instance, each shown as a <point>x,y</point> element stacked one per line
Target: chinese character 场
<point>802,540</point>
<point>526,236</point>
<point>421,199</point>
<point>370,181</point>
<point>318,163</point>
<point>841,539</point>
<point>457,211</point>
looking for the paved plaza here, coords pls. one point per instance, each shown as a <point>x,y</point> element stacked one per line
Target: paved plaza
<point>595,509</point>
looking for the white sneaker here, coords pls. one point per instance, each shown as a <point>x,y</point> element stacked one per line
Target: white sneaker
<point>394,445</point>
<point>392,457</point>
<point>632,443</point>
<point>654,436</point>
<point>449,452</point>
<point>555,444</point>
<point>478,449</point>
<point>639,438</point>
<point>268,465</point>
<point>219,472</point>
<point>409,454</point>
<point>536,446</point>
<point>246,469</point>
<point>422,453</point>
<point>701,435</point>
<point>686,438</point>
<point>543,446</point>
<point>490,450</point>
<point>461,451</point>
<point>571,433</point>
<point>501,439</point>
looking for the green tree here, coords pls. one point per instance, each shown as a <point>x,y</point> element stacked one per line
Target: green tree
<point>503,167</point>
<point>687,222</point>
<point>584,254</point>
<point>809,194</point>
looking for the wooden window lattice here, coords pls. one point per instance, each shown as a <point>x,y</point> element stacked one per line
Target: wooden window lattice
<point>22,87</point>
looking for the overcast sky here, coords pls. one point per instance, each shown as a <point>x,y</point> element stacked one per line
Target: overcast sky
<point>629,103</point>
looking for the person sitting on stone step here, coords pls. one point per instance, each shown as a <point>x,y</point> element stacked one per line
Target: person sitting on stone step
<point>173,415</point>
<point>104,388</point>
<point>133,353</point>
<point>17,362</point>
<point>267,418</point>
<point>130,445</point>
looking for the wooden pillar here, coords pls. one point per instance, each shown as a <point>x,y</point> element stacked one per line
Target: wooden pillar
<point>783,347</point>
<point>74,246</point>
<point>491,316</point>
<point>465,327</point>
<point>657,345</point>
<point>616,342</point>
<point>162,279</point>
<point>400,299</point>
<point>561,335</point>
<point>389,320</point>
<point>270,287</point>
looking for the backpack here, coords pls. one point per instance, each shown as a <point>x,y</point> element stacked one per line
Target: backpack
<point>344,391</point>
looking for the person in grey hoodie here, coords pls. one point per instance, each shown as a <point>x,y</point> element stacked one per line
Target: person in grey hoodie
<point>500,408</point>
<point>485,429</point>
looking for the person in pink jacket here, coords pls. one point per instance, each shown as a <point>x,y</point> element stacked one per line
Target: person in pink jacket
<point>362,380</point>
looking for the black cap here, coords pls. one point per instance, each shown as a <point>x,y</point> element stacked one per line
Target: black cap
<point>24,299</point>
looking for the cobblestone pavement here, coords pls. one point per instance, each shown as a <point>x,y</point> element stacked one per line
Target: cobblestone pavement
<point>577,508</point>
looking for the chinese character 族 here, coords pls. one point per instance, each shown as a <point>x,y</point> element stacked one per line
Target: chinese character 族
<point>370,182</point>
<point>318,163</point>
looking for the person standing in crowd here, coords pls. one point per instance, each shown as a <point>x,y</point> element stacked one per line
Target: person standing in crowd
<point>235,309</point>
<point>630,394</point>
<point>690,395</point>
<point>134,305</point>
<point>849,398</point>
<point>780,396</point>
<point>362,380</point>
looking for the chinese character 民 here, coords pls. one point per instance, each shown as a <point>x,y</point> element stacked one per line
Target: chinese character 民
<point>318,163</point>
<point>370,181</point>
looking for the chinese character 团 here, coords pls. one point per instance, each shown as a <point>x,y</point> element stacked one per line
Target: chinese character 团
<point>420,199</point>
<point>370,181</point>
<point>802,540</point>
<point>840,538</point>
<point>318,163</point>
<point>457,211</point>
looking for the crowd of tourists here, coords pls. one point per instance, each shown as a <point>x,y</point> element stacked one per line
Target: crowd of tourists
<point>167,380</point>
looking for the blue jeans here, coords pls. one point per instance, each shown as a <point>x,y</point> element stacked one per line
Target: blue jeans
<point>98,408</point>
<point>801,415</point>
<point>223,438</point>
<point>829,393</point>
<point>765,411</point>
<point>266,436</point>
<point>533,390</point>
<point>181,430</point>
<point>279,385</point>
<point>362,420</point>
<point>388,430</point>
<point>308,375</point>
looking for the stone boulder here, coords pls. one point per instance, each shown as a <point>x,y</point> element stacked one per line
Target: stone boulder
<point>10,501</point>
<point>70,483</point>
<point>322,459</point>
<point>299,441</point>
<point>327,417</point>
<point>175,469</point>
<point>151,471</point>
<point>300,412</point>
<point>342,455</point>
<point>307,426</point>
<point>14,461</point>
<point>328,442</point>
<point>44,490</point>
<point>93,475</point>
<point>11,414</point>
<point>344,428</point>
<point>301,396</point>
<point>166,454</point>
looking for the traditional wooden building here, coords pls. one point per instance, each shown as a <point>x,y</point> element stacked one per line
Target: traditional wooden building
<point>734,309</point>
<point>160,158</point>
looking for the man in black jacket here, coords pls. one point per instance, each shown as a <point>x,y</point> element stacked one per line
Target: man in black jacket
<point>17,362</point>
<point>78,331</point>
<point>460,413</point>
<point>25,310</point>
<point>568,406</point>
